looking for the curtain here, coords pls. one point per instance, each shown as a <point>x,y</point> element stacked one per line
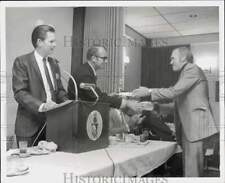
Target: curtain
<point>77,39</point>
<point>156,69</point>
<point>104,26</point>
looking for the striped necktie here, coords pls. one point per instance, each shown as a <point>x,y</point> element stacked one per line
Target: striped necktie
<point>49,79</point>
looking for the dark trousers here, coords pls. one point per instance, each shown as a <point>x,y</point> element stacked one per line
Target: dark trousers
<point>30,140</point>
<point>160,129</point>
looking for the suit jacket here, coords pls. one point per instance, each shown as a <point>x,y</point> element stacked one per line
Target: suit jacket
<point>85,74</point>
<point>192,109</point>
<point>29,92</point>
<point>157,126</point>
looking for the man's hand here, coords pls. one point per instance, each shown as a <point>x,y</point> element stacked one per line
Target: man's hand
<point>113,94</point>
<point>147,106</point>
<point>141,92</point>
<point>134,105</point>
<point>48,106</point>
<point>138,118</point>
<point>138,107</point>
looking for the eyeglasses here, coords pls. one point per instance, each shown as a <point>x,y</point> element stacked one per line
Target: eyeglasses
<point>103,58</point>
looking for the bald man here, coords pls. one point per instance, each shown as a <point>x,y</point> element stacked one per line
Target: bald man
<point>86,73</point>
<point>193,116</point>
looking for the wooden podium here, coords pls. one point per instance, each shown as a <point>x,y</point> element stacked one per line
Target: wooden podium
<point>79,126</point>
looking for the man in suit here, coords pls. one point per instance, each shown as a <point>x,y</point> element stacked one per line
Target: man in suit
<point>37,86</point>
<point>86,73</point>
<point>193,116</point>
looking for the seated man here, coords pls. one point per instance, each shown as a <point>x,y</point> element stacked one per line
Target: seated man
<point>158,130</point>
<point>123,121</point>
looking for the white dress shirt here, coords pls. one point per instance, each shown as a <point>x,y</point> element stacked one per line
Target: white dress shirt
<point>39,60</point>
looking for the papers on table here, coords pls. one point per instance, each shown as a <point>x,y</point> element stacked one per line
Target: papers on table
<point>64,103</point>
<point>61,104</point>
<point>16,166</point>
<point>128,139</point>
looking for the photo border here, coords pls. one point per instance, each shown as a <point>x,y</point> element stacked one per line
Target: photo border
<point>220,4</point>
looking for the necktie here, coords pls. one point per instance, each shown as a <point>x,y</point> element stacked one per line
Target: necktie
<point>49,79</point>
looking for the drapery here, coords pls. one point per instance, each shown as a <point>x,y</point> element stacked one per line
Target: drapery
<point>104,26</point>
<point>156,69</point>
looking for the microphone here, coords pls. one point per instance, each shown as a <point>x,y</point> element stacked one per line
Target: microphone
<point>87,85</point>
<point>90,86</point>
<point>73,80</point>
<point>74,83</point>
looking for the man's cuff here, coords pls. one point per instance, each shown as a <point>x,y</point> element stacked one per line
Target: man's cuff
<point>147,98</point>
<point>40,109</point>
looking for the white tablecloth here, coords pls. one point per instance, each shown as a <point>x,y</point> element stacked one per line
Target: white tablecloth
<point>137,160</point>
<point>117,160</point>
<point>57,166</point>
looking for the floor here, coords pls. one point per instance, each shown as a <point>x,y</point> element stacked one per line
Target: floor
<point>173,168</point>
<point>161,172</point>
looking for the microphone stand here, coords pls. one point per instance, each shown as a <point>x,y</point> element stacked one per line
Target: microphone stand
<point>88,86</point>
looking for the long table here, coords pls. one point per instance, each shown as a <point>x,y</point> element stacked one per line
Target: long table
<point>118,160</point>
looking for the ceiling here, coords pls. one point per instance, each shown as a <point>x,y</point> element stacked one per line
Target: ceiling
<point>161,22</point>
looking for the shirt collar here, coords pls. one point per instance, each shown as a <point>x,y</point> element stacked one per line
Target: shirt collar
<point>38,56</point>
<point>93,69</point>
<point>183,67</point>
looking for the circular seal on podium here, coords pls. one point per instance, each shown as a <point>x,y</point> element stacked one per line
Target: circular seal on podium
<point>94,125</point>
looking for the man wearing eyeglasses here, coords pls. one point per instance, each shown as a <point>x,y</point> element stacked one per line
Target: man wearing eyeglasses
<point>86,73</point>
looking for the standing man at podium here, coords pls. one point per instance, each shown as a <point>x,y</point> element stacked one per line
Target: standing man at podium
<point>86,73</point>
<point>36,85</point>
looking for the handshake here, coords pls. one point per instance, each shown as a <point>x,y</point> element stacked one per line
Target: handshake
<point>141,92</point>
<point>140,106</point>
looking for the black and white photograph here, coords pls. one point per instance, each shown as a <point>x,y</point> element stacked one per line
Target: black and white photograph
<point>107,91</point>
